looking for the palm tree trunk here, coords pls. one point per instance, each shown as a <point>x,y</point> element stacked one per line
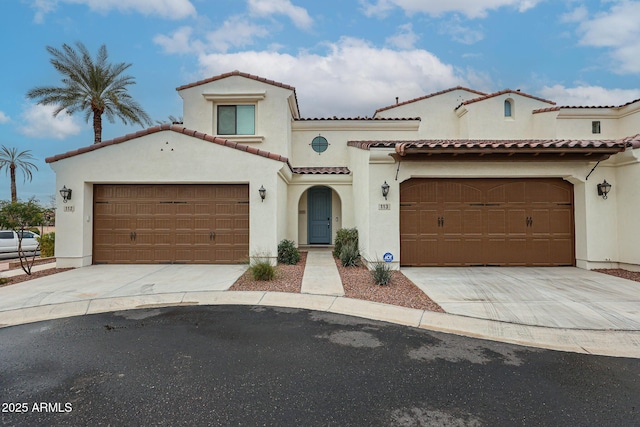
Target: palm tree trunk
<point>97,126</point>
<point>14,191</point>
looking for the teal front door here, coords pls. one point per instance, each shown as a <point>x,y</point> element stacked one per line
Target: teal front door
<point>319,214</point>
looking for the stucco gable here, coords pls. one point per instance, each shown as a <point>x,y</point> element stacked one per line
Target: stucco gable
<point>504,92</point>
<point>431,95</point>
<point>170,128</point>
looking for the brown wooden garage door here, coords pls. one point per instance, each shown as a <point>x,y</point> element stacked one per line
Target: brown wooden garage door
<point>153,224</point>
<point>465,222</point>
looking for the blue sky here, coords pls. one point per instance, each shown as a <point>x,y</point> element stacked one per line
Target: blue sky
<point>345,58</point>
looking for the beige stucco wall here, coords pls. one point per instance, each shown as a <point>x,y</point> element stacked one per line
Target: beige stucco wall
<point>439,119</point>
<point>627,196</point>
<point>273,113</point>
<point>164,157</point>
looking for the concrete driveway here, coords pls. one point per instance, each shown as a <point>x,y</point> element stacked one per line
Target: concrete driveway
<point>111,281</point>
<point>558,297</point>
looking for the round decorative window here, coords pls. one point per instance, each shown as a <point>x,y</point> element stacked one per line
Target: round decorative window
<point>319,144</point>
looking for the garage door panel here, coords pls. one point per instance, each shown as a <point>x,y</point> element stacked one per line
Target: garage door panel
<point>172,223</point>
<point>517,222</point>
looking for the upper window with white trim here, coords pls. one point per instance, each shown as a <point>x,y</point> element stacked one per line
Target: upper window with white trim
<point>508,108</point>
<point>236,119</point>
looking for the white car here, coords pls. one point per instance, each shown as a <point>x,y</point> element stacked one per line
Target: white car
<point>9,243</point>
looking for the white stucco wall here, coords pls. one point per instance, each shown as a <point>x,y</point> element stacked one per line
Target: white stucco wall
<point>439,119</point>
<point>627,195</point>
<point>163,157</point>
<point>272,115</point>
<point>486,120</point>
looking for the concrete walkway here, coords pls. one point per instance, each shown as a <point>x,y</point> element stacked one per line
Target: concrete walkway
<point>105,288</point>
<point>321,275</point>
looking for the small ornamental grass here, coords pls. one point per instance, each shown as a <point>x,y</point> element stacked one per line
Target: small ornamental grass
<point>350,255</point>
<point>381,273</point>
<point>261,268</point>
<point>288,253</point>
<point>344,236</point>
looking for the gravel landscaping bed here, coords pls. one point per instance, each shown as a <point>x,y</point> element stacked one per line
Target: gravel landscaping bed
<point>358,283</point>
<point>288,279</point>
<point>618,272</point>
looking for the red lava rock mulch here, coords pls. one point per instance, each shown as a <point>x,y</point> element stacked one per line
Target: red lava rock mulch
<point>288,279</point>
<point>618,272</point>
<point>34,275</point>
<point>358,283</point>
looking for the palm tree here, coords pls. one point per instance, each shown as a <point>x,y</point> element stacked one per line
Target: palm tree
<point>93,86</point>
<point>12,160</point>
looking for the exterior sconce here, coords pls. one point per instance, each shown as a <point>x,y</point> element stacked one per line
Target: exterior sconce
<point>263,192</point>
<point>603,189</point>
<point>385,190</point>
<point>65,193</point>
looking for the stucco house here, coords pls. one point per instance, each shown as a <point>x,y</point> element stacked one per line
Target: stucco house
<point>454,178</point>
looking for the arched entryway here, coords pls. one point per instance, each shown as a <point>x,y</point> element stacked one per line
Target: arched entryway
<point>319,215</point>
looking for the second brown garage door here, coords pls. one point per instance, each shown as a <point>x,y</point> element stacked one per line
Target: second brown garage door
<point>466,222</point>
<point>154,224</point>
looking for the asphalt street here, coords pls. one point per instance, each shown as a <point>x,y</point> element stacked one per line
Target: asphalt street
<point>241,365</point>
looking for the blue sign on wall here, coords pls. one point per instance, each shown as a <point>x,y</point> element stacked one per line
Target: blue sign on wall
<point>388,257</point>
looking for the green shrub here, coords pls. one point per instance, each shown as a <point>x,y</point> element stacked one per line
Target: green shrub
<point>261,268</point>
<point>381,273</point>
<point>350,255</point>
<point>47,244</point>
<point>288,253</point>
<point>344,236</point>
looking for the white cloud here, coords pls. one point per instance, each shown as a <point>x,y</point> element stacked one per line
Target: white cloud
<point>236,31</point>
<point>352,78</point>
<point>585,95</point>
<point>179,41</point>
<point>40,123</point>
<point>461,33</point>
<point>469,8</point>
<point>404,39</point>
<point>4,118</point>
<point>618,30</point>
<point>298,15</point>
<point>578,14</point>
<point>171,9</point>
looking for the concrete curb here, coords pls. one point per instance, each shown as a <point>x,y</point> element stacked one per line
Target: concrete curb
<point>605,342</point>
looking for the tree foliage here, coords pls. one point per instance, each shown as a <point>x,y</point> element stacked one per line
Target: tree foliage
<point>93,86</point>
<point>19,216</point>
<point>11,160</point>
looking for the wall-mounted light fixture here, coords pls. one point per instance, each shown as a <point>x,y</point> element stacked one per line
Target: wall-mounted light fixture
<point>385,190</point>
<point>263,192</point>
<point>603,189</point>
<point>65,193</point>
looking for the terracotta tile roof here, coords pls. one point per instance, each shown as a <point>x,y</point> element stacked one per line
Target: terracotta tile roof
<point>546,110</point>
<point>172,128</point>
<point>464,145</point>
<point>503,92</point>
<point>319,170</point>
<point>246,75</point>
<point>430,96</point>
<point>375,119</point>
<point>543,110</point>
<point>236,73</point>
<point>632,142</point>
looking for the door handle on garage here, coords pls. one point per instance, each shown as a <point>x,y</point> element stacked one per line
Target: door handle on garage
<point>212,235</point>
<point>135,236</point>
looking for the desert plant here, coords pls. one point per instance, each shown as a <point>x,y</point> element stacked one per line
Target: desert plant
<point>344,236</point>
<point>18,216</point>
<point>381,273</point>
<point>47,244</point>
<point>288,253</point>
<point>350,255</point>
<point>261,268</point>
